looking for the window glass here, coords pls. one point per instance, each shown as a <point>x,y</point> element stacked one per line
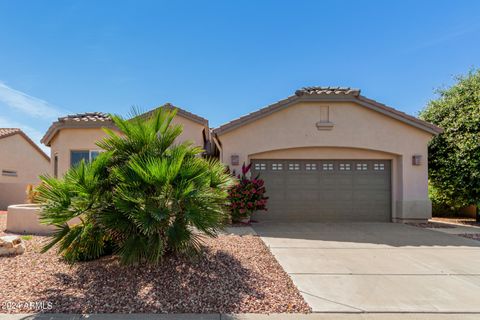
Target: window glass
<point>277,166</point>
<point>94,154</point>
<point>76,156</point>
<point>310,166</point>
<point>327,166</point>
<point>55,166</point>
<point>294,166</point>
<point>9,173</point>
<point>260,166</point>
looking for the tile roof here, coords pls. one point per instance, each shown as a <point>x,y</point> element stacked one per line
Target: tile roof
<point>328,94</point>
<point>79,120</point>
<point>327,91</point>
<point>7,132</point>
<point>100,119</point>
<point>86,117</point>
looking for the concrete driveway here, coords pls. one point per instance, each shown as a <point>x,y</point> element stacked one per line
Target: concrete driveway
<point>377,267</point>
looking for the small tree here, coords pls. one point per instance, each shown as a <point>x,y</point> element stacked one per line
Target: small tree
<point>142,198</point>
<point>454,155</point>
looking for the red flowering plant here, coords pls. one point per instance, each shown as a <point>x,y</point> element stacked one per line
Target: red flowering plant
<point>247,196</point>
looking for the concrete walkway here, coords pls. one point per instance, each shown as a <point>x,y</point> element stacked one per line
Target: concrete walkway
<point>377,267</point>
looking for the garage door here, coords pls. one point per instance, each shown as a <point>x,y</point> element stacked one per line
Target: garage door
<point>325,190</point>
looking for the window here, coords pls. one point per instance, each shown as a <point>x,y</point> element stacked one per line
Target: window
<point>378,166</point>
<point>344,167</point>
<point>327,166</point>
<point>362,166</point>
<point>294,166</point>
<point>260,166</point>
<point>55,166</point>
<point>310,166</point>
<point>86,155</point>
<point>277,166</point>
<point>9,173</point>
<point>94,154</point>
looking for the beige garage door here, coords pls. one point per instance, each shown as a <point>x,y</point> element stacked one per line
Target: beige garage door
<point>326,190</point>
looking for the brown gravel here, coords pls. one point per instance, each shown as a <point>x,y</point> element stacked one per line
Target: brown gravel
<point>458,220</point>
<point>236,274</point>
<point>431,225</point>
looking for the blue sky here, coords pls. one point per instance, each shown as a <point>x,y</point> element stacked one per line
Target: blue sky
<point>222,59</point>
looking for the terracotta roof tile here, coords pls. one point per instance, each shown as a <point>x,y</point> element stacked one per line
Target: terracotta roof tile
<point>86,117</point>
<point>6,132</point>
<point>328,91</point>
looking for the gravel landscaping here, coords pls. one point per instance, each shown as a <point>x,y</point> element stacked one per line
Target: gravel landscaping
<point>474,236</point>
<point>236,274</point>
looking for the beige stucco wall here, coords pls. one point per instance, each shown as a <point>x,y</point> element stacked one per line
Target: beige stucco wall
<point>357,133</point>
<point>67,140</point>
<point>192,131</point>
<point>19,155</point>
<point>85,138</point>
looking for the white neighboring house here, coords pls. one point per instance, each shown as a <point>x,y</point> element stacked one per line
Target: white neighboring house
<point>21,162</point>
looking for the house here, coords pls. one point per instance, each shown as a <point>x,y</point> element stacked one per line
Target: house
<point>73,137</point>
<point>21,162</point>
<point>331,154</point>
<point>325,153</point>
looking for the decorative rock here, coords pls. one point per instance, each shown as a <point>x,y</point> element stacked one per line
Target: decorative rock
<point>11,245</point>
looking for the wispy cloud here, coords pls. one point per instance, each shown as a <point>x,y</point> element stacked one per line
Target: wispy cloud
<point>446,37</point>
<point>33,133</point>
<point>31,106</point>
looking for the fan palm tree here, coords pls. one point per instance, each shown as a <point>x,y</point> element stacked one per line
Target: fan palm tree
<point>145,196</point>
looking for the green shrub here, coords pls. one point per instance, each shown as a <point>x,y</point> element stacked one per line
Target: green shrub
<point>247,195</point>
<point>142,198</point>
<point>454,155</point>
<point>441,206</point>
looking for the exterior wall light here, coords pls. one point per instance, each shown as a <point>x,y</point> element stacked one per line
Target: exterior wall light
<point>235,159</point>
<point>416,159</point>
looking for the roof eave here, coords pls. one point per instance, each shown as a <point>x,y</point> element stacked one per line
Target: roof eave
<point>369,103</point>
<point>181,112</point>
<point>57,126</point>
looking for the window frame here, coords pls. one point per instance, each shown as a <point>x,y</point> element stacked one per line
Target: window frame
<point>9,173</point>
<point>89,151</point>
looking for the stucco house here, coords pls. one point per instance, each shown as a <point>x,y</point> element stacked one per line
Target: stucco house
<point>21,162</point>
<point>331,154</point>
<point>73,137</point>
<point>325,153</point>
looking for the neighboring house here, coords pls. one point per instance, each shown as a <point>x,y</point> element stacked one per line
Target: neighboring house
<point>21,162</point>
<point>331,154</point>
<point>72,138</point>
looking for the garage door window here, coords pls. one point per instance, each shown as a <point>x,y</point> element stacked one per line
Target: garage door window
<point>378,166</point>
<point>277,166</point>
<point>344,167</point>
<point>310,166</point>
<point>294,166</point>
<point>327,166</point>
<point>362,167</point>
<point>260,166</point>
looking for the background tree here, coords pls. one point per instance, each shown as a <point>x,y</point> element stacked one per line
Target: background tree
<point>454,155</point>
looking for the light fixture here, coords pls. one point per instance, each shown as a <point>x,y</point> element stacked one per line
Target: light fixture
<point>416,159</point>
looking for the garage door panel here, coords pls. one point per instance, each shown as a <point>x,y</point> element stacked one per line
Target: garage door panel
<point>326,190</point>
